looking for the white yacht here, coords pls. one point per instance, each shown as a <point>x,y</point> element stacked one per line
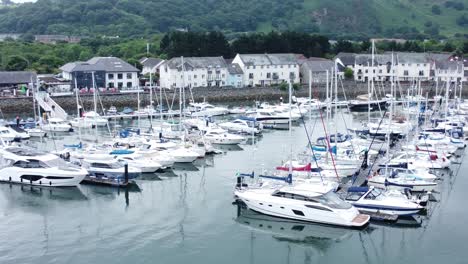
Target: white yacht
<point>137,161</point>
<point>109,169</point>
<point>221,137</point>
<point>7,134</point>
<point>57,125</point>
<point>305,202</point>
<point>205,109</point>
<point>35,132</point>
<point>394,180</point>
<point>28,166</point>
<point>242,126</point>
<point>392,202</point>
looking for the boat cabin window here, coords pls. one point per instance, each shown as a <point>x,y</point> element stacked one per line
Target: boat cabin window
<point>372,195</point>
<point>30,164</point>
<point>103,165</point>
<point>354,196</point>
<point>332,200</point>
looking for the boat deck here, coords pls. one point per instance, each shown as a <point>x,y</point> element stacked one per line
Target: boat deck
<point>361,219</point>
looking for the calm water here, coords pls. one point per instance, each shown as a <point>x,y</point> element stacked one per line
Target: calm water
<point>187,216</point>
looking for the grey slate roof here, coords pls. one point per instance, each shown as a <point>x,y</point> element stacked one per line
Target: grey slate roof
<point>318,65</point>
<point>234,68</point>
<point>196,62</point>
<point>17,77</point>
<point>150,62</point>
<point>269,59</point>
<point>366,59</point>
<point>107,64</point>
<point>346,58</point>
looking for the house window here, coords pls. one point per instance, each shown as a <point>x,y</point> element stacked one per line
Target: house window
<point>281,66</point>
<point>366,71</point>
<point>111,85</point>
<point>222,75</point>
<point>417,65</point>
<point>405,73</point>
<point>289,66</point>
<point>424,64</point>
<point>222,82</point>
<point>248,67</point>
<point>110,76</point>
<point>203,76</point>
<point>195,84</point>
<point>268,67</point>
<point>120,84</point>
<point>380,71</point>
<point>129,75</point>
<point>261,67</point>
<point>421,73</point>
<point>250,75</point>
<point>129,84</point>
<point>254,66</point>
<point>268,75</point>
<point>119,76</point>
<point>195,76</point>
<point>402,64</point>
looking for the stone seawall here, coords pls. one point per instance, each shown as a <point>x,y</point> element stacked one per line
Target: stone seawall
<point>227,96</point>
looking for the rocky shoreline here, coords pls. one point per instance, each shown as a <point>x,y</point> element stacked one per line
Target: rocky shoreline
<point>226,96</point>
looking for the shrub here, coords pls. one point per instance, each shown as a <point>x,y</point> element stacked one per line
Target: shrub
<point>348,73</point>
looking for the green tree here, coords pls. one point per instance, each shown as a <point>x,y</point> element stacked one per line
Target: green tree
<point>348,73</point>
<point>16,63</point>
<point>436,10</point>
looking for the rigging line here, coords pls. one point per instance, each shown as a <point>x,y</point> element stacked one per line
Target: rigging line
<point>328,145</point>
<point>372,142</point>
<point>310,143</point>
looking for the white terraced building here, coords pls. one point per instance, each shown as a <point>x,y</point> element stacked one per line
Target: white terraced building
<point>268,69</point>
<point>195,72</point>
<point>407,66</point>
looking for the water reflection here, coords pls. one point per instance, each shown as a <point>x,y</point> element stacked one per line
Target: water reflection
<point>24,193</point>
<point>309,235</point>
<point>226,148</point>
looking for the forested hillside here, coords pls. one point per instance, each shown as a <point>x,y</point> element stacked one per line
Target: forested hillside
<point>348,18</point>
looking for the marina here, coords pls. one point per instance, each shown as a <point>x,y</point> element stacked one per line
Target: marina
<point>174,206</point>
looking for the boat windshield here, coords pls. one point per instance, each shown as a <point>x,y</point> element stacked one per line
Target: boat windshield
<point>372,195</point>
<point>24,151</point>
<point>332,200</point>
<point>61,164</point>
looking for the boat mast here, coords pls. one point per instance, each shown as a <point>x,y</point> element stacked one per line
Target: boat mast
<point>446,100</point>
<point>390,118</point>
<point>290,127</point>
<point>78,110</point>
<point>336,107</point>
<point>180,91</point>
<point>151,102</point>
<point>95,105</point>
<point>38,106</point>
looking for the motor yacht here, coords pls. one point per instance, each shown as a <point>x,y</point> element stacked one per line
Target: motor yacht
<point>304,202</point>
<point>109,169</point>
<point>57,125</point>
<point>28,166</point>
<point>221,137</point>
<point>205,109</point>
<point>374,200</point>
<point>242,126</point>
<point>394,180</point>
